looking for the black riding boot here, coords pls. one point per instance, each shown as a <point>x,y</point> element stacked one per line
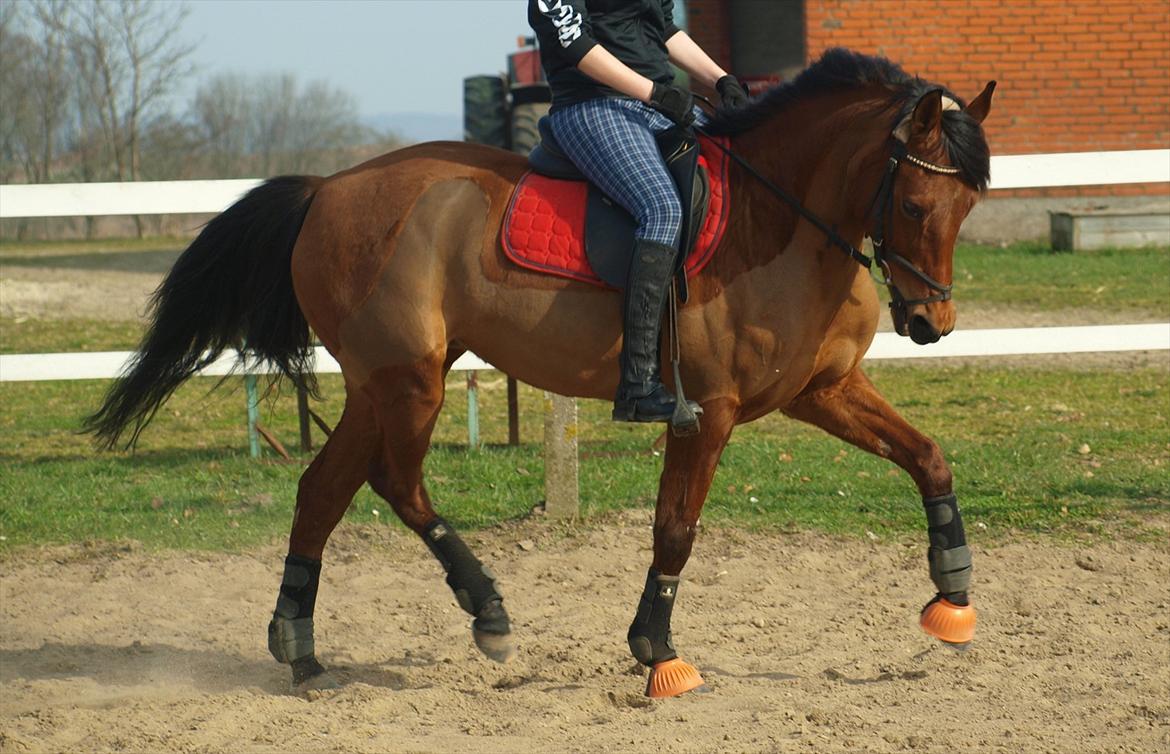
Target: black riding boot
<point>641,396</point>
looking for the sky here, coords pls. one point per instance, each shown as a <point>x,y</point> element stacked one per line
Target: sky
<point>394,56</point>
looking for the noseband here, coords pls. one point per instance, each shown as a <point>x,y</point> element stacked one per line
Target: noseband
<point>882,207</point>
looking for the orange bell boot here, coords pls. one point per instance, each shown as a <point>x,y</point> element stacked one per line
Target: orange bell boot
<point>672,678</point>
<point>950,623</point>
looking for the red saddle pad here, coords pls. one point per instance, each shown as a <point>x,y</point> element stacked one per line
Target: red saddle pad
<point>544,229</point>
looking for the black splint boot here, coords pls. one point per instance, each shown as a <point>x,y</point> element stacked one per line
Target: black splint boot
<point>641,396</point>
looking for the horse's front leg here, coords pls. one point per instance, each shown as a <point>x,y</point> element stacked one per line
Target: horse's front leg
<point>686,476</point>
<point>853,410</point>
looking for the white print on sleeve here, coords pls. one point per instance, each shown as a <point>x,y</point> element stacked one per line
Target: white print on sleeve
<point>563,17</point>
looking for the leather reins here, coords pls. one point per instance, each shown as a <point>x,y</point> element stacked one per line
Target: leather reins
<point>882,206</point>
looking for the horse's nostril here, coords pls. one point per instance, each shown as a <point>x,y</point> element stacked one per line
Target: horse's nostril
<point>922,331</point>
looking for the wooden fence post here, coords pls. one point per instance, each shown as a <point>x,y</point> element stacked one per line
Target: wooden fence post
<point>473,410</point>
<point>561,499</point>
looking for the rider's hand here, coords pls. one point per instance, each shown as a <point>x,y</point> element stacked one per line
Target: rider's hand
<point>674,102</point>
<point>731,93</point>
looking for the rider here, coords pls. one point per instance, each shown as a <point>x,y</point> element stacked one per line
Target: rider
<point>608,64</point>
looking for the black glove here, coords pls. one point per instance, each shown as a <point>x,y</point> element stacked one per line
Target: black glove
<point>674,102</point>
<point>731,93</point>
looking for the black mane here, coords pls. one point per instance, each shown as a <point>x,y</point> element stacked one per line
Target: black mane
<point>839,69</point>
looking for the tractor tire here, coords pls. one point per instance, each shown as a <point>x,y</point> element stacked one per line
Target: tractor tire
<point>485,111</point>
<point>529,105</point>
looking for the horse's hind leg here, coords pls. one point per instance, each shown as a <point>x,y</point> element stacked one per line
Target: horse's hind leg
<point>326,489</point>
<point>407,402</point>
<point>853,410</point>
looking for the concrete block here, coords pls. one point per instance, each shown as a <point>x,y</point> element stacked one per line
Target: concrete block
<point>1103,226</point>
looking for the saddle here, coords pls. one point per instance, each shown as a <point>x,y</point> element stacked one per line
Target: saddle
<point>607,229</point>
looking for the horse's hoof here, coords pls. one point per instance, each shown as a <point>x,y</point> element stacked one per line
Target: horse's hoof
<point>493,632</point>
<point>952,624</point>
<point>316,686</point>
<point>497,647</point>
<point>672,678</point>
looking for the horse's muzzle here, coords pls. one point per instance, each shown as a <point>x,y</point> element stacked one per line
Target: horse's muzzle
<point>922,331</point>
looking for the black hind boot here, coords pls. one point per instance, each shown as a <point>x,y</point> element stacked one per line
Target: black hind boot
<point>641,396</point>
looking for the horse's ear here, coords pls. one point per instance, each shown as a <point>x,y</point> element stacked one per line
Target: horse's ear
<point>926,118</point>
<point>927,115</point>
<point>981,105</point>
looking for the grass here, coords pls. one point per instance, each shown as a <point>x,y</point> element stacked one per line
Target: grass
<point>52,335</point>
<point>1033,450</point>
<point>1016,439</point>
<point>1032,276</point>
<point>13,250</point>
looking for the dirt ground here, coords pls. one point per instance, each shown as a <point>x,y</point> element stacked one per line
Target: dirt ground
<point>808,643</point>
<point>106,286</point>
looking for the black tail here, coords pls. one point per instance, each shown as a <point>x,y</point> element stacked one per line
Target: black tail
<point>232,287</point>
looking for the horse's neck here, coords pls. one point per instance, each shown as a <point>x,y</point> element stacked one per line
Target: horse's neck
<point>826,153</point>
<point>816,151</point>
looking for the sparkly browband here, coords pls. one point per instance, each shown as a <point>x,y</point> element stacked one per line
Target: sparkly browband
<point>931,166</point>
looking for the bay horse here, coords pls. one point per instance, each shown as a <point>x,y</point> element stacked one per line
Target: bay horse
<point>396,265</point>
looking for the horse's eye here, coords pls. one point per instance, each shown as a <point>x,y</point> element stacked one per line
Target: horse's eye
<point>912,209</point>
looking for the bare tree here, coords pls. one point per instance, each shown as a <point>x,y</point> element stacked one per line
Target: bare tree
<point>128,58</point>
<point>272,111</point>
<point>169,149</point>
<point>15,48</point>
<point>264,125</point>
<point>156,62</point>
<point>34,85</point>
<point>221,114</point>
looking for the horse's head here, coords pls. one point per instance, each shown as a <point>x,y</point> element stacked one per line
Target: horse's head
<point>937,171</point>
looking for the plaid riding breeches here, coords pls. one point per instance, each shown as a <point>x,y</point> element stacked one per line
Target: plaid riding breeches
<point>611,141</point>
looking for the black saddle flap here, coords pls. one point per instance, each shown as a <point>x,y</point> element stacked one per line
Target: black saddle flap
<point>609,238</point>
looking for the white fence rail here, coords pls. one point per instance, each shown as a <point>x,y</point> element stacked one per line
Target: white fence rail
<point>104,365</point>
<point>137,198</point>
<point>181,197</point>
<point>189,197</point>
<point>1080,169</point>
<point>990,342</point>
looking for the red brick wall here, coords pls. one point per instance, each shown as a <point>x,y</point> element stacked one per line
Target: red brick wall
<point>708,24</point>
<point>1074,75</point>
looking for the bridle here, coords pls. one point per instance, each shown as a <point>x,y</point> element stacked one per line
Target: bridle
<point>883,254</point>
<point>881,208</point>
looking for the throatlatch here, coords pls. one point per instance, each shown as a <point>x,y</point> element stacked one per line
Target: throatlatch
<point>949,556</point>
<point>649,635</point>
<point>290,633</point>
<point>472,582</point>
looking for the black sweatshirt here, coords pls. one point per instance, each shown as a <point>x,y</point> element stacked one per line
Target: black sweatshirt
<point>633,31</point>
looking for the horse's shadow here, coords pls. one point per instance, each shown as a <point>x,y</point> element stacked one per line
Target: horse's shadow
<point>210,670</point>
